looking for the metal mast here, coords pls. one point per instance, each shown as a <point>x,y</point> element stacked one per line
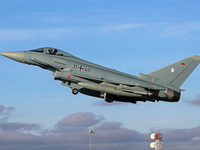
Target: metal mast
<point>90,131</point>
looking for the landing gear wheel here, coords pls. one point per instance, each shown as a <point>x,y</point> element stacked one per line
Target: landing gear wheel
<point>75,91</point>
<point>108,98</point>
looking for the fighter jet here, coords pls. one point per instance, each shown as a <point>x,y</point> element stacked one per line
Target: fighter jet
<point>111,85</point>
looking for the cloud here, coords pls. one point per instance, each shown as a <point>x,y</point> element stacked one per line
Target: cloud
<point>5,112</point>
<point>80,120</point>
<point>122,27</point>
<point>180,30</point>
<point>182,135</point>
<point>54,33</point>
<point>9,138</point>
<point>166,30</point>
<point>196,101</point>
<point>163,121</point>
<point>24,34</point>
<point>71,133</point>
<point>15,126</point>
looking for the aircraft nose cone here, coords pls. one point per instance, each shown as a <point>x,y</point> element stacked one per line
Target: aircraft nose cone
<point>17,56</point>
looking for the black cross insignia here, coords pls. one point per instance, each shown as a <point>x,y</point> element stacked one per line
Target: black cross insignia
<point>80,68</point>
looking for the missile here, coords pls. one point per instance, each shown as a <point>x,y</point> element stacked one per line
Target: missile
<point>107,89</point>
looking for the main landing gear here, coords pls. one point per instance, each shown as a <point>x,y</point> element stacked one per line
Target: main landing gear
<point>75,91</point>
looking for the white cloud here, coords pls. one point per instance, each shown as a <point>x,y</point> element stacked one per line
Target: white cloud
<point>122,27</point>
<point>54,33</point>
<point>180,30</point>
<point>23,34</point>
<point>166,30</point>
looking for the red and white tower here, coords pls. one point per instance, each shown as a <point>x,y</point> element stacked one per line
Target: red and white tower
<point>158,144</point>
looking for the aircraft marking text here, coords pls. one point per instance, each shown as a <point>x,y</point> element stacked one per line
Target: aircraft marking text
<point>81,68</point>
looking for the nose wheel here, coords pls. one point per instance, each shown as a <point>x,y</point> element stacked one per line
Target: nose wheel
<point>75,91</point>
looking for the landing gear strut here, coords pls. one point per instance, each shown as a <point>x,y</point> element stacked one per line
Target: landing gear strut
<point>75,91</point>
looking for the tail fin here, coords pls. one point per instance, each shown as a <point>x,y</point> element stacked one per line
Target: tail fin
<point>176,73</point>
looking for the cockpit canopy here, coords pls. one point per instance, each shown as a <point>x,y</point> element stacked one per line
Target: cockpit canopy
<point>52,51</point>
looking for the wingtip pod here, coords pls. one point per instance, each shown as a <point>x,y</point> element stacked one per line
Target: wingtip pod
<point>196,57</point>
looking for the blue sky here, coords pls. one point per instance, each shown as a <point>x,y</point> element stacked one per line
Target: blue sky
<point>129,36</point>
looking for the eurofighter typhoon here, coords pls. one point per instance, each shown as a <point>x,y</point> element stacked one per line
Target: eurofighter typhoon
<point>111,85</point>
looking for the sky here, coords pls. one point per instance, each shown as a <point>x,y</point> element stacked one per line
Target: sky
<point>134,37</point>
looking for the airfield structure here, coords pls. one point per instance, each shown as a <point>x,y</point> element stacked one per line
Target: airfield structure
<point>90,132</point>
<point>158,144</point>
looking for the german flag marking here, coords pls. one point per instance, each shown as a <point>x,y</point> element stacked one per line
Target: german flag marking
<point>183,64</point>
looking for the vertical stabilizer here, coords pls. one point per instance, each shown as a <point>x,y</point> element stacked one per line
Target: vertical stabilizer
<point>176,73</point>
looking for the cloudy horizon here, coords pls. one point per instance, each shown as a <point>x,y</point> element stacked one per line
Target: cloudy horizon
<point>71,132</point>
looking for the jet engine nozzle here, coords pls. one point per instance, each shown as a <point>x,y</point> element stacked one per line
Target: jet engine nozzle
<point>17,56</point>
<point>173,96</point>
